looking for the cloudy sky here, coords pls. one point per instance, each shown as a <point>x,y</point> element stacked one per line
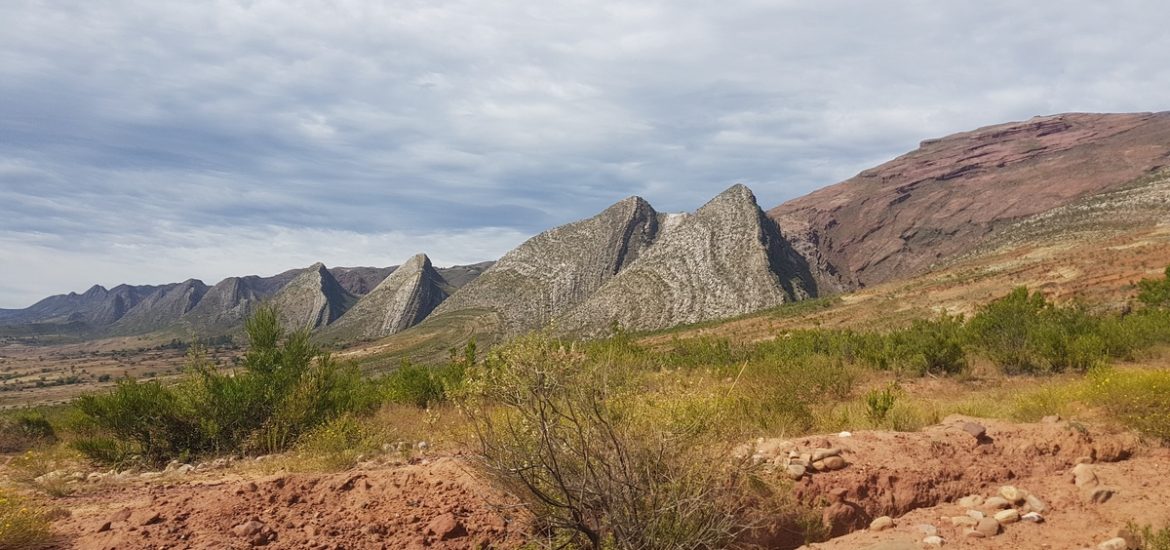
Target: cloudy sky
<point>151,141</point>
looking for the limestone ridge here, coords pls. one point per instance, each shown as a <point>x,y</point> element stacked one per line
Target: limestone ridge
<point>400,301</point>
<point>311,300</point>
<point>163,307</point>
<point>560,268</point>
<point>725,259</point>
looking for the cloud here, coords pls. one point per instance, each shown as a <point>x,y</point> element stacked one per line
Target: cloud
<point>446,122</point>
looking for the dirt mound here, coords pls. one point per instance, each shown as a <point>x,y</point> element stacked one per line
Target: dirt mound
<point>436,504</point>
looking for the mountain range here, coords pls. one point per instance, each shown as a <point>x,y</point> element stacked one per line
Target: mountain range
<point>644,269</point>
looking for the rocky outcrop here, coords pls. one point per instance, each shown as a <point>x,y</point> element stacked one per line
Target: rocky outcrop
<point>558,269</point>
<point>950,194</point>
<point>95,309</point>
<point>725,259</point>
<point>225,305</point>
<point>312,300</point>
<point>401,301</point>
<point>163,307</point>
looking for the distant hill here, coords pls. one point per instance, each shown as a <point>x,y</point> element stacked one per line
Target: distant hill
<point>951,194</point>
<point>319,297</point>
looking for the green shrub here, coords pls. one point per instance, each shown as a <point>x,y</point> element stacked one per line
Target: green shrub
<point>1155,293</point>
<point>879,402</point>
<point>930,346</point>
<point>1025,333</point>
<point>286,387</point>
<point>413,385</point>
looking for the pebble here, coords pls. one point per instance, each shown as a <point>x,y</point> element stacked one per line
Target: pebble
<point>1033,517</point>
<point>821,454</point>
<point>933,540</point>
<point>1005,517</point>
<point>881,524</point>
<point>927,529</point>
<point>845,434</point>
<point>976,430</point>
<point>975,514</point>
<point>964,521</point>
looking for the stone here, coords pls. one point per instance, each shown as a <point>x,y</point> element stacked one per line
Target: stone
<point>933,540</point>
<point>1101,495</point>
<point>996,503</point>
<point>976,514</point>
<point>446,527</point>
<point>1051,419</point>
<point>1083,476</point>
<point>821,454</point>
<point>1013,494</point>
<point>1116,543</point>
<point>987,527</point>
<point>818,466</point>
<point>973,534</point>
<point>881,524</point>
<point>927,529</point>
<point>1032,517</point>
<point>971,501</point>
<point>795,471</point>
<point>964,521</point>
<point>248,529</point>
<point>1009,516</point>
<point>104,527</point>
<point>1132,541</point>
<point>976,430</point>
<point>1035,504</point>
<point>835,463</point>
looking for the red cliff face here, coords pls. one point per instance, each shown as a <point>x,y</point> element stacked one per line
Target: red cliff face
<point>941,199</point>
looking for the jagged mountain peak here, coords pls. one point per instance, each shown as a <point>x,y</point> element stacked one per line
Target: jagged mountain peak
<point>400,301</point>
<point>559,268</point>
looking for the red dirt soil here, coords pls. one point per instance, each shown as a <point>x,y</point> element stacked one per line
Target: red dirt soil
<point>435,504</point>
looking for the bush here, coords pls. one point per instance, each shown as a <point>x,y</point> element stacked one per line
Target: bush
<point>421,386</point>
<point>1155,293</point>
<point>1024,333</point>
<point>552,428</point>
<point>286,387</point>
<point>21,431</point>
<point>931,346</point>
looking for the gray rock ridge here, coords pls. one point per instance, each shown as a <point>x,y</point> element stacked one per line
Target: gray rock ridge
<point>163,307</point>
<point>312,300</point>
<point>400,301</point>
<point>96,308</point>
<point>559,268</point>
<point>725,259</point>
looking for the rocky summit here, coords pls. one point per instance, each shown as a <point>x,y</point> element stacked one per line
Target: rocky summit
<point>312,300</point>
<point>558,269</point>
<point>725,259</point>
<point>399,302</point>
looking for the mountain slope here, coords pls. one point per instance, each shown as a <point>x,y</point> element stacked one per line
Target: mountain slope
<point>399,302</point>
<point>559,268</point>
<point>163,307</point>
<point>725,259</point>
<point>311,300</point>
<point>950,194</point>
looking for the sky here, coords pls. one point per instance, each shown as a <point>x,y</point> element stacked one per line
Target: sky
<point>153,141</point>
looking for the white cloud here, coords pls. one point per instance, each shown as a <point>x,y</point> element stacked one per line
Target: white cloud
<point>181,120</point>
